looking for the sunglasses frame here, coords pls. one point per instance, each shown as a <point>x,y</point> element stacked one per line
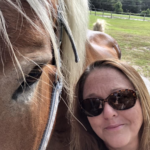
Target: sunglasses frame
<point>135,94</point>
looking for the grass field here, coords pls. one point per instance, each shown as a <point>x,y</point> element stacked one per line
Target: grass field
<point>133,38</point>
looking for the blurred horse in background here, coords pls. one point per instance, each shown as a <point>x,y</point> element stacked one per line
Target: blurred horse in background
<point>101,43</point>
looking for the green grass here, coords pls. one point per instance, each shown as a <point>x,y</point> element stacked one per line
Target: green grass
<point>133,38</point>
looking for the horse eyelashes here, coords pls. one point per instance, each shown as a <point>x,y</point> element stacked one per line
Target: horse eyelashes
<point>30,79</point>
<point>34,75</point>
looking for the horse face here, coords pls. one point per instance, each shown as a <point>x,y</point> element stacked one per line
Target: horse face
<point>24,106</point>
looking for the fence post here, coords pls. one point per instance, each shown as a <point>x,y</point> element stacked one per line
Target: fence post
<point>144,18</point>
<point>129,16</point>
<point>95,12</point>
<point>111,14</point>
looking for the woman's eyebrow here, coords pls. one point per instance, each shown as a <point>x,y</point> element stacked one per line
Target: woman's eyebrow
<point>117,89</point>
<point>93,95</point>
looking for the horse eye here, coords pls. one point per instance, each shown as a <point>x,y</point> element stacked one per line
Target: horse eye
<point>33,76</point>
<point>30,79</point>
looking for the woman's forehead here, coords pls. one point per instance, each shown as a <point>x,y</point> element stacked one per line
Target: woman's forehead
<point>105,80</point>
<point>106,75</point>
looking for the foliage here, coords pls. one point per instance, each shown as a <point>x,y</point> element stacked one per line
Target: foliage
<point>133,6</point>
<point>102,4</point>
<point>146,12</point>
<point>118,7</point>
<point>145,4</point>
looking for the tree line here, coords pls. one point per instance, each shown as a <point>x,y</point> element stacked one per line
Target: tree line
<point>132,6</point>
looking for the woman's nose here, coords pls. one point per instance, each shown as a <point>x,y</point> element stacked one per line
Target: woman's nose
<point>109,112</point>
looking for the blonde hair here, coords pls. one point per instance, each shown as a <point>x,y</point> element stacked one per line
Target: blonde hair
<point>91,140</point>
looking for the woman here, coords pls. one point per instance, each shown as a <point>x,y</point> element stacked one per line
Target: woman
<point>113,104</point>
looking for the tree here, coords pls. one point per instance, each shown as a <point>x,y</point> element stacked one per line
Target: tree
<point>118,7</point>
<point>102,4</point>
<point>133,6</point>
<point>148,12</point>
<point>145,4</point>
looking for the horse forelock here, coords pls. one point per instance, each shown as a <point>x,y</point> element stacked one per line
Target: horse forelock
<point>22,24</point>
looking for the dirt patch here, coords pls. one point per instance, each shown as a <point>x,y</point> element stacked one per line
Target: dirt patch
<point>141,49</point>
<point>146,48</point>
<point>135,49</point>
<point>140,70</point>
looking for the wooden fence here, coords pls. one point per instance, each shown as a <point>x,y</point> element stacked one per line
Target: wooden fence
<point>112,14</point>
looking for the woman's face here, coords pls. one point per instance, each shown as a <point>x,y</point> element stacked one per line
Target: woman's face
<point>118,129</point>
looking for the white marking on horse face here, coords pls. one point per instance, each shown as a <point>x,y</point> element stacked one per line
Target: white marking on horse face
<point>27,95</point>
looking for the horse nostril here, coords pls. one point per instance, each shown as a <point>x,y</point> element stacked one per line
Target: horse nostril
<point>30,79</point>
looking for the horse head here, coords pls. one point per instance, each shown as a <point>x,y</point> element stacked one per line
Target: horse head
<point>29,50</point>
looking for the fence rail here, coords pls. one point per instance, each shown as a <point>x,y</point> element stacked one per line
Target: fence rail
<point>112,14</point>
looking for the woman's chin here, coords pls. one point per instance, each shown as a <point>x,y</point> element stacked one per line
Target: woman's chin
<point>117,142</point>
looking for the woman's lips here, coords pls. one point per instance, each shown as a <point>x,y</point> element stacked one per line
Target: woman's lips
<point>113,127</point>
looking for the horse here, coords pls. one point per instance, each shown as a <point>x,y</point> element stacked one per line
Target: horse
<point>37,39</point>
<point>101,43</point>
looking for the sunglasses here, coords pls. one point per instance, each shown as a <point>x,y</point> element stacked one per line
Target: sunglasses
<point>119,100</point>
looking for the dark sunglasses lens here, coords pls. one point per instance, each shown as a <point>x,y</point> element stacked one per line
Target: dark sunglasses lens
<point>122,100</point>
<point>92,107</point>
